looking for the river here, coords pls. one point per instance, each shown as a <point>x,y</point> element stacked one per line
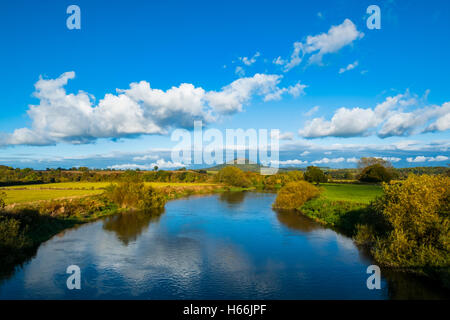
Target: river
<point>224,246</point>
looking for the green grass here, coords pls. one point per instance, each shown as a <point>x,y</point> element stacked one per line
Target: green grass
<point>360,193</point>
<point>31,195</point>
<point>61,185</point>
<point>341,205</point>
<point>50,191</point>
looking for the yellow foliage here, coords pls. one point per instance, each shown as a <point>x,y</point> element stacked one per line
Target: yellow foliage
<point>294,194</point>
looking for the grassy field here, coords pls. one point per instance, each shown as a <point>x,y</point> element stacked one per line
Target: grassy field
<point>39,192</point>
<point>341,205</point>
<point>360,193</point>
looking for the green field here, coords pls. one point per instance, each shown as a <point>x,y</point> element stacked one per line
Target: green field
<point>341,205</point>
<point>30,195</point>
<point>38,192</point>
<point>360,193</point>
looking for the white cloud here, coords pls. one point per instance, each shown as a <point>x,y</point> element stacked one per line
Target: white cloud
<point>387,119</point>
<point>305,153</point>
<point>145,158</point>
<point>327,160</point>
<point>429,159</point>
<point>286,136</point>
<point>73,118</point>
<point>443,121</point>
<point>317,46</point>
<point>344,123</point>
<point>249,61</point>
<point>239,71</point>
<point>279,61</point>
<point>293,162</point>
<point>312,111</point>
<point>161,163</point>
<point>391,159</point>
<point>295,91</point>
<point>352,160</point>
<point>349,67</point>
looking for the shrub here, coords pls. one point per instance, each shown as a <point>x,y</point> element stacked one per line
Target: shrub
<point>135,196</point>
<point>417,226</point>
<point>2,200</point>
<point>233,176</point>
<point>294,194</point>
<point>376,173</point>
<point>314,174</point>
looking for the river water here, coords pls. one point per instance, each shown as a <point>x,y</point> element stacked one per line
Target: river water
<point>227,246</point>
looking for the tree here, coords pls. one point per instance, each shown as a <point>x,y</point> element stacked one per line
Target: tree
<point>314,174</point>
<point>233,176</point>
<point>155,168</point>
<point>375,173</point>
<point>369,161</point>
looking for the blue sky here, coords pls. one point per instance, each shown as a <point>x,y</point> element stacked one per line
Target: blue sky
<point>348,92</point>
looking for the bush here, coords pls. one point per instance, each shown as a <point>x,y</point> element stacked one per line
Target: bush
<point>294,194</point>
<point>2,200</point>
<point>416,214</point>
<point>233,176</point>
<point>314,174</point>
<point>376,173</point>
<point>135,195</point>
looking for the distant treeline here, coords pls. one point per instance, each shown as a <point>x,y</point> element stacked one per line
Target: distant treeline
<point>15,176</point>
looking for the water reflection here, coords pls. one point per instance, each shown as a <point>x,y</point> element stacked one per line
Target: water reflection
<point>232,198</point>
<point>297,222</point>
<point>128,226</point>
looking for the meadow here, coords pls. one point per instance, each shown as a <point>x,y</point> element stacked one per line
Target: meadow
<point>360,193</point>
<point>341,205</point>
<point>63,190</point>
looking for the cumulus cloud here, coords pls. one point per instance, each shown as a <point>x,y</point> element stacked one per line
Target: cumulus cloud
<point>327,160</point>
<point>319,45</point>
<point>160,163</point>
<point>427,159</point>
<point>140,109</point>
<point>387,119</point>
<point>351,66</point>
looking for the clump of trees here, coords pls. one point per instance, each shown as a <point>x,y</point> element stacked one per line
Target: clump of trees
<point>135,195</point>
<point>233,176</point>
<point>375,173</point>
<point>315,174</point>
<point>409,227</point>
<point>375,170</point>
<point>294,194</point>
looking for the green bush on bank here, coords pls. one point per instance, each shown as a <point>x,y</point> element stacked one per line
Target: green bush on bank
<point>294,194</point>
<point>135,195</point>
